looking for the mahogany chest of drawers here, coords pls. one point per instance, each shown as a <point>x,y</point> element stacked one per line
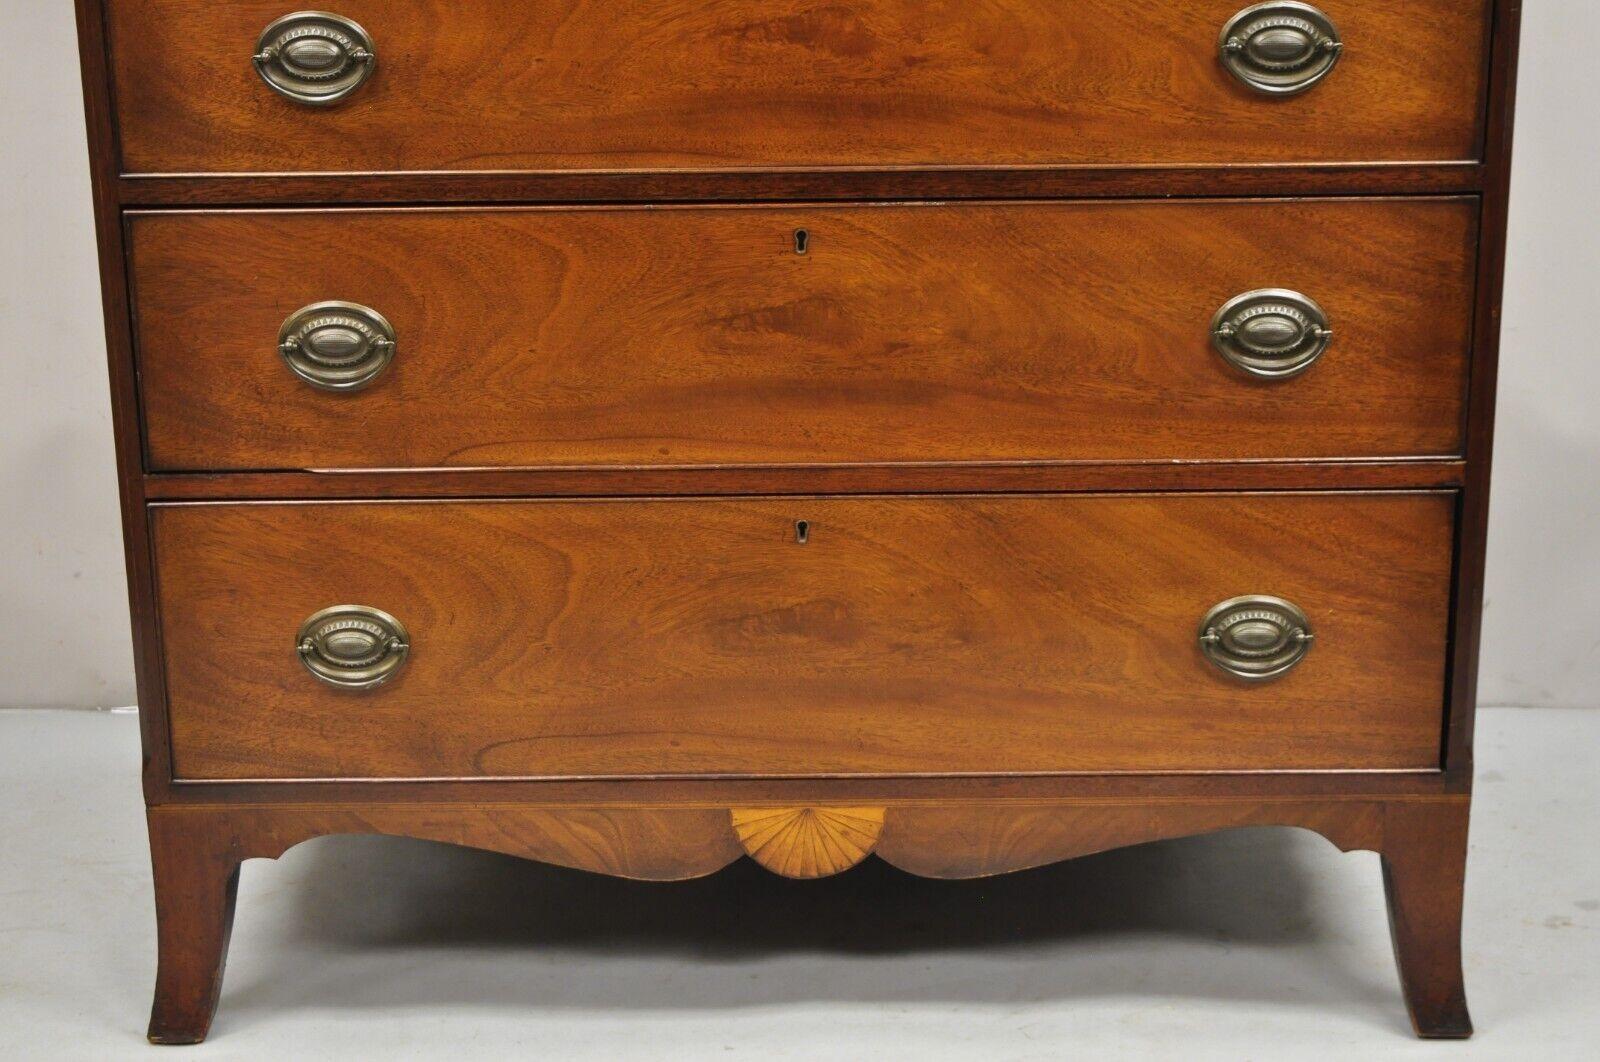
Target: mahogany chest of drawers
<point>643,435</point>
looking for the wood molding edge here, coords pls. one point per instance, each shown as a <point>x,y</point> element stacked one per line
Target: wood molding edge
<point>949,840</point>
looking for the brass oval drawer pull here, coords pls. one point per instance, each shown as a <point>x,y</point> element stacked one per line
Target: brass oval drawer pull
<point>337,346</point>
<point>1280,48</point>
<point>353,647</point>
<point>1255,638</point>
<point>1273,333</point>
<point>314,57</point>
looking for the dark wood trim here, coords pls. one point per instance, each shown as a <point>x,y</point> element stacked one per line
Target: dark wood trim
<point>690,792</point>
<point>391,207</point>
<point>196,875</point>
<point>1419,474</point>
<point>1467,622</point>
<point>125,419</point>
<point>730,186</point>
<point>1424,871</point>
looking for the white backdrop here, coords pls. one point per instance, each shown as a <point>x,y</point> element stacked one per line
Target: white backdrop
<point>63,610</point>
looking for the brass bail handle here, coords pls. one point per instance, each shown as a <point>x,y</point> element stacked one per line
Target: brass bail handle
<point>314,58</point>
<point>337,346</point>
<point>1255,638</point>
<point>1280,49</point>
<point>352,647</point>
<point>1272,333</point>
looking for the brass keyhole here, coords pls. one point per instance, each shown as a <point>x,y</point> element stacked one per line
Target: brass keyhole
<point>802,241</point>
<point>802,531</point>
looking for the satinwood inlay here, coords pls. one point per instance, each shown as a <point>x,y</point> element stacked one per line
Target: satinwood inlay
<point>808,842</point>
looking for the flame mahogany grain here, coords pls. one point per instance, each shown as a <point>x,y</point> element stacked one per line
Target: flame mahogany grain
<point>1001,107</point>
<point>683,84</point>
<point>906,334</point>
<point>909,635</point>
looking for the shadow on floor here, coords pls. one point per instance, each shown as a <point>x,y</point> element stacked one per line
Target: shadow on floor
<point>392,922</point>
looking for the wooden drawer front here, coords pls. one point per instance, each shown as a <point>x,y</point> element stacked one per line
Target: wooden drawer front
<point>905,334</point>
<point>956,634</point>
<point>662,84</point>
